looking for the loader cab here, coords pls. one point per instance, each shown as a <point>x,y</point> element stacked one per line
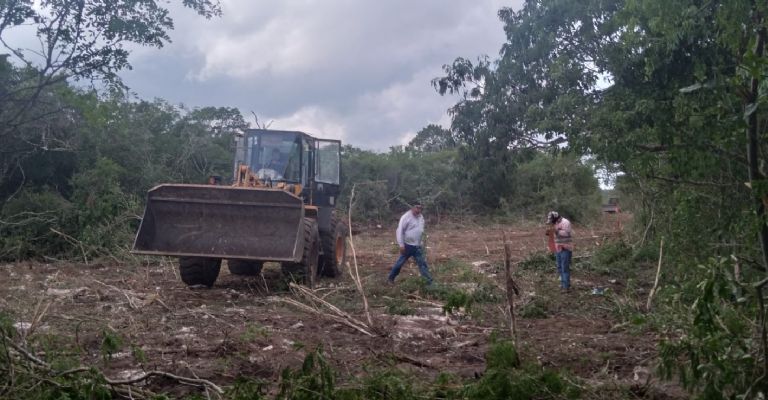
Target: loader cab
<point>272,155</point>
<point>296,158</point>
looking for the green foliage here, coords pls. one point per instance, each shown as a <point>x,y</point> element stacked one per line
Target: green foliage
<point>85,207</point>
<point>715,359</point>
<point>486,292</point>
<point>613,257</point>
<point>457,299</point>
<point>538,261</point>
<point>28,224</point>
<point>538,307</point>
<point>314,380</point>
<point>42,117</point>
<point>669,94</point>
<point>560,183</point>
<point>502,355</point>
<point>253,332</point>
<point>6,326</point>
<point>111,343</point>
<point>398,306</point>
<point>402,177</point>
<point>246,389</point>
<point>138,354</point>
<point>432,138</point>
<point>385,384</point>
<point>507,378</point>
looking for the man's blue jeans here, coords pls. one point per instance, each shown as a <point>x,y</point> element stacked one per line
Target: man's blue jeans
<point>415,252</point>
<point>563,258</point>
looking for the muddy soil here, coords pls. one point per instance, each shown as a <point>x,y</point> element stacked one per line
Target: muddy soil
<point>243,327</point>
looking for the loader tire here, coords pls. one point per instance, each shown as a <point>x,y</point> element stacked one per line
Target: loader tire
<point>334,250</point>
<point>199,270</point>
<point>305,271</point>
<point>245,267</point>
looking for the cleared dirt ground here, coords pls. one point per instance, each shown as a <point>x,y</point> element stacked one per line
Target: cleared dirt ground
<point>241,327</point>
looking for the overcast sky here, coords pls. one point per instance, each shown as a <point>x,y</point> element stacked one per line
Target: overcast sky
<point>353,70</point>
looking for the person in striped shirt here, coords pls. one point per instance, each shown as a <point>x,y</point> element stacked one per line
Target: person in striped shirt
<point>561,228</point>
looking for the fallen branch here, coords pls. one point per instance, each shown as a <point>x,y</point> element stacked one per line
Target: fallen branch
<point>191,381</point>
<point>73,241</point>
<point>356,275</point>
<point>411,360</point>
<point>403,358</point>
<point>316,311</point>
<point>116,383</point>
<point>658,273</point>
<point>37,316</point>
<point>131,303</point>
<point>313,297</point>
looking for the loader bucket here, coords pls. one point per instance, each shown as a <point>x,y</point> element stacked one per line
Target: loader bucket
<point>221,222</point>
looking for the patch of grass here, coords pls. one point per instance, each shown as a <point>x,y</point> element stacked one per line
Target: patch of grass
<point>446,386</point>
<point>246,389</point>
<point>412,284</point>
<point>527,383</point>
<point>398,306</point>
<point>385,384</point>
<point>537,308</point>
<point>138,354</point>
<point>453,297</point>
<point>507,377</point>
<point>253,332</point>
<point>487,292</point>
<point>456,300</point>
<point>451,265</point>
<point>314,380</point>
<point>111,343</point>
<point>613,258</point>
<point>538,261</point>
<point>502,355</point>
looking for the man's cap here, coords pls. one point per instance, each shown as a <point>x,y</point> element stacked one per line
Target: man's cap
<point>552,217</point>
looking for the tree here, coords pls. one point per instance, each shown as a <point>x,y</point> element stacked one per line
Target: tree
<point>432,138</point>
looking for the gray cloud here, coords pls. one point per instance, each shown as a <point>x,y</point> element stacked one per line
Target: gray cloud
<point>349,69</point>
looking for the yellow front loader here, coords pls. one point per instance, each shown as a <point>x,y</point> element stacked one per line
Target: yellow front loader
<point>278,208</point>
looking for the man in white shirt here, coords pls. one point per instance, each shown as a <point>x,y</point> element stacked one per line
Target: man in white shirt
<point>408,235</point>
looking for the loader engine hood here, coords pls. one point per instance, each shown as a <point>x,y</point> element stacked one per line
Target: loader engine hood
<point>221,222</point>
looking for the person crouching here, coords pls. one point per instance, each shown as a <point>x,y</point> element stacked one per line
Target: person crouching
<point>563,247</point>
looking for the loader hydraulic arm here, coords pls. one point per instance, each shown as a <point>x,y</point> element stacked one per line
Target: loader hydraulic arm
<point>246,178</point>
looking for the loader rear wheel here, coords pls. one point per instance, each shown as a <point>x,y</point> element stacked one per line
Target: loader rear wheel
<point>199,270</point>
<point>245,267</point>
<point>306,270</point>
<point>334,249</point>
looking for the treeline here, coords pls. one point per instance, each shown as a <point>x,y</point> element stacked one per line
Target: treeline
<point>74,181</point>
<point>439,171</point>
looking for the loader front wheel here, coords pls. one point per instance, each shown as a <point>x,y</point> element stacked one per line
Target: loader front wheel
<point>306,270</point>
<point>245,267</point>
<point>334,249</point>
<point>196,271</point>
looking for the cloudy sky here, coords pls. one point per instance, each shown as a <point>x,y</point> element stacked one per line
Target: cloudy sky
<point>356,70</point>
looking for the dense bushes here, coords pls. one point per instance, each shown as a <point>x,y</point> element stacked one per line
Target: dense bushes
<point>84,200</point>
<point>386,183</point>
